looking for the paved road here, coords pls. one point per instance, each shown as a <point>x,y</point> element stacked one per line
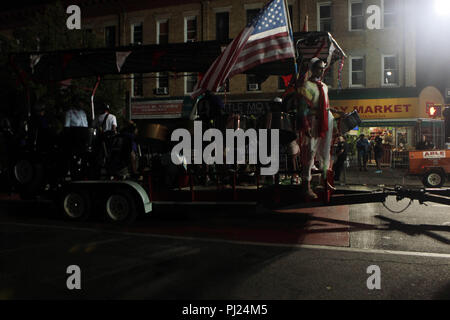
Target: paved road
<point>195,255</point>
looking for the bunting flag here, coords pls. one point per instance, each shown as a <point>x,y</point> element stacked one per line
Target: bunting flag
<point>121,57</point>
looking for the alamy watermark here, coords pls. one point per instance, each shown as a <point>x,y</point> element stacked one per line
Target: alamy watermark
<point>374,281</point>
<point>74,20</point>
<point>213,153</point>
<point>74,280</point>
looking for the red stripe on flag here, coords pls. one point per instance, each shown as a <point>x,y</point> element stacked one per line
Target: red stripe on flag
<point>254,64</point>
<point>264,50</point>
<point>221,64</point>
<point>241,52</point>
<point>268,38</point>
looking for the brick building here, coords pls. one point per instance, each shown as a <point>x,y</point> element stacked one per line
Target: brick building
<point>379,76</point>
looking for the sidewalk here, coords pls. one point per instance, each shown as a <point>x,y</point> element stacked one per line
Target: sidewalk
<point>389,177</point>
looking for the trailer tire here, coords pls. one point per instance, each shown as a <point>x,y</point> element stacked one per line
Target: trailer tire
<point>29,178</point>
<point>434,179</point>
<point>76,205</point>
<point>120,207</point>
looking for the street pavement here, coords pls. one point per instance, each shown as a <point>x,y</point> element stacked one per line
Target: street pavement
<point>229,253</point>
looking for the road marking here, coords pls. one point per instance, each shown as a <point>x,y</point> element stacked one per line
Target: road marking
<point>200,239</point>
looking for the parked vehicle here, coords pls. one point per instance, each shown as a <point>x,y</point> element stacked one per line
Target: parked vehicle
<point>432,165</point>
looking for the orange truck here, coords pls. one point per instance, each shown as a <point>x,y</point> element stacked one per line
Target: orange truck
<point>432,165</point>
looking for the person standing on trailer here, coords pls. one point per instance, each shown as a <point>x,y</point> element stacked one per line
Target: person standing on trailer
<point>106,122</point>
<point>316,124</point>
<point>75,116</point>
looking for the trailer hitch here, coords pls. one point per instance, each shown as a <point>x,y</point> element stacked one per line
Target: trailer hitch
<point>422,195</point>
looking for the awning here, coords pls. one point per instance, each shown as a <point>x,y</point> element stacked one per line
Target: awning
<point>389,123</point>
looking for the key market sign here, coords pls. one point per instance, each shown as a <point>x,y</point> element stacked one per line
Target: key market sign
<point>396,108</point>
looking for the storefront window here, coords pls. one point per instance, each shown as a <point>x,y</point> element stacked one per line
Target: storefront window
<point>399,138</point>
<point>433,131</point>
<point>397,142</point>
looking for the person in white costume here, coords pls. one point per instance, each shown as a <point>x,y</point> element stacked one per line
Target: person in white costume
<point>317,123</point>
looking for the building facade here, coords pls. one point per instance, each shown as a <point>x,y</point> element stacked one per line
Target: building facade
<point>378,78</point>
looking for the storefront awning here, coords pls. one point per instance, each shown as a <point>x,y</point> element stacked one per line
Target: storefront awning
<point>389,123</point>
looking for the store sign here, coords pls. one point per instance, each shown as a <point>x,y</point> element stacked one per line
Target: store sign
<point>156,109</point>
<point>379,108</point>
<point>433,154</point>
<point>247,107</point>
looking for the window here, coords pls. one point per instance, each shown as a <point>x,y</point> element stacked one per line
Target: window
<point>190,29</point>
<point>390,70</point>
<point>136,33</point>
<point>356,15</point>
<point>110,36</point>
<point>137,85</point>
<point>88,37</point>
<point>162,80</point>
<point>357,72</point>
<point>252,83</point>
<point>190,80</point>
<point>324,16</point>
<point>281,85</point>
<point>222,26</point>
<point>329,77</point>
<point>251,14</point>
<point>389,13</point>
<point>162,32</point>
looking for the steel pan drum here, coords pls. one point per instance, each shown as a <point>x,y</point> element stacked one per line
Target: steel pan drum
<point>349,121</point>
<point>285,123</point>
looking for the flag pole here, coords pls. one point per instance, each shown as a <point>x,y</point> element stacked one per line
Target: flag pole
<point>291,32</point>
<point>305,24</point>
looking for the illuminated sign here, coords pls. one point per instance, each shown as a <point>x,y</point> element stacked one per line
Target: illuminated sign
<point>379,108</point>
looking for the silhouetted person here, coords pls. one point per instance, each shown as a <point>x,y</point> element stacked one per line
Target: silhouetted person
<point>341,156</point>
<point>363,147</point>
<point>424,144</point>
<point>378,152</point>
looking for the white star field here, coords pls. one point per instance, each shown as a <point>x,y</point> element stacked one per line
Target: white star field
<point>272,17</point>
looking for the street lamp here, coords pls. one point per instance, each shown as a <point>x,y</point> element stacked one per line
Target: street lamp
<point>442,7</point>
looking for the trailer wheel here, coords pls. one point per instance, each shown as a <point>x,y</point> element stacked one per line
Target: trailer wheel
<point>434,179</point>
<point>121,207</point>
<point>23,172</point>
<point>76,205</point>
<point>29,178</point>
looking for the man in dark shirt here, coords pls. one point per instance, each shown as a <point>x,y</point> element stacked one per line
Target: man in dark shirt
<point>378,151</point>
<point>341,156</point>
<point>362,145</point>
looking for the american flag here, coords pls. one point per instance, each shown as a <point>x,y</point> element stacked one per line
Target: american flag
<point>267,38</point>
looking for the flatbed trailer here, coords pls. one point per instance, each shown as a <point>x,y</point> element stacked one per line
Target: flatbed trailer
<point>121,201</point>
